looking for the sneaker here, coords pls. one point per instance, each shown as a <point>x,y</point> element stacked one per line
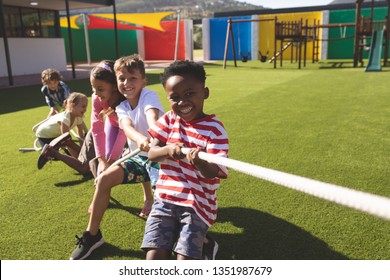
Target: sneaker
<point>43,157</point>
<point>86,244</point>
<point>210,249</point>
<point>60,140</point>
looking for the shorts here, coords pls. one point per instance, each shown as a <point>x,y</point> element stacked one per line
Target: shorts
<point>139,169</point>
<point>87,151</point>
<point>43,141</point>
<point>174,228</point>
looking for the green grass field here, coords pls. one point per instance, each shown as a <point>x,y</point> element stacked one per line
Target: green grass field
<point>323,122</point>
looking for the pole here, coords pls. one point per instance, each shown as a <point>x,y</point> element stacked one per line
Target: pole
<point>70,40</point>
<point>6,46</point>
<point>177,35</point>
<point>86,39</point>
<point>227,42</point>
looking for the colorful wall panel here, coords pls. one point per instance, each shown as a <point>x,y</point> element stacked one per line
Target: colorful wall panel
<point>340,40</point>
<point>161,45</point>
<point>154,39</point>
<point>214,38</point>
<point>101,44</point>
<point>267,31</point>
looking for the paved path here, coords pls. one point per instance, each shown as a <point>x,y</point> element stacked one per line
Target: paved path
<point>82,72</point>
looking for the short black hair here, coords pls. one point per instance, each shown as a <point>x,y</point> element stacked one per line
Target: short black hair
<point>184,67</point>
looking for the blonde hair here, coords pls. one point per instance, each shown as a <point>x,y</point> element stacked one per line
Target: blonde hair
<point>50,74</point>
<point>73,99</point>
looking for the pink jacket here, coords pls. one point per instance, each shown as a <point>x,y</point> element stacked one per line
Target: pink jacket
<point>102,112</point>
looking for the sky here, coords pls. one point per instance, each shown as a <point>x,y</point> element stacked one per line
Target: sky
<point>276,4</point>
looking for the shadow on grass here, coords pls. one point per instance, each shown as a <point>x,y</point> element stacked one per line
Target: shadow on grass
<point>329,64</point>
<point>263,237</point>
<point>72,183</point>
<point>115,204</point>
<point>266,237</point>
<point>109,250</point>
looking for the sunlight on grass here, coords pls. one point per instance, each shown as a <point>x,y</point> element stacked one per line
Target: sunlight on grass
<point>321,122</point>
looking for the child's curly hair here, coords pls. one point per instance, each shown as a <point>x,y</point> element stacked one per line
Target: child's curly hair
<point>50,74</point>
<point>184,67</point>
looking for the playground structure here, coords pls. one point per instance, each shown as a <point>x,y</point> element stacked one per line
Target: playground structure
<point>295,35</point>
<point>230,35</point>
<point>290,34</point>
<point>376,31</point>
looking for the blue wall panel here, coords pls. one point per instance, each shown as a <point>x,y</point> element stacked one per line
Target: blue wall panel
<point>242,38</point>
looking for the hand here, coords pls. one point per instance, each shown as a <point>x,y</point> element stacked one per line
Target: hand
<point>193,156</point>
<point>103,165</point>
<point>174,150</point>
<point>143,144</point>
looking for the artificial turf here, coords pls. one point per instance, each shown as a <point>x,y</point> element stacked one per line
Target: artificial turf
<point>322,122</point>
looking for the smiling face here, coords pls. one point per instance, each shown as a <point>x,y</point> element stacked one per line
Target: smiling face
<point>186,96</point>
<point>103,89</point>
<point>80,108</point>
<point>130,85</point>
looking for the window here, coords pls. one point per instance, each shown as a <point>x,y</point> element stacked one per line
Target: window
<point>13,24</point>
<point>31,22</point>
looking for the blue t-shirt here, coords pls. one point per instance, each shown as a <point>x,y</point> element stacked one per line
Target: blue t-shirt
<point>56,97</point>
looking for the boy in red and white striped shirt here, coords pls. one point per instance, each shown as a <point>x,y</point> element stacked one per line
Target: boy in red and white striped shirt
<point>186,202</point>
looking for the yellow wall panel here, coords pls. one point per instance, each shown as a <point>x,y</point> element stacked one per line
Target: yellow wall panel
<point>267,32</point>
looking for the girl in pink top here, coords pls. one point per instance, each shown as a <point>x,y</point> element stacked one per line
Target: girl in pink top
<point>108,138</point>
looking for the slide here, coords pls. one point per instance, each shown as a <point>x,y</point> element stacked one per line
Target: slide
<point>374,58</point>
<point>285,47</point>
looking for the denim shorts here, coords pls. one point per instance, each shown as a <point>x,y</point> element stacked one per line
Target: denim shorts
<point>174,228</point>
<point>139,169</point>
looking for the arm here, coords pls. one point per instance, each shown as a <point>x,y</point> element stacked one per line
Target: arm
<point>208,169</point>
<point>82,130</point>
<point>160,151</point>
<point>118,146</point>
<point>97,127</point>
<point>137,137</point>
<point>52,112</point>
<point>64,128</point>
<point>49,101</point>
<point>131,133</point>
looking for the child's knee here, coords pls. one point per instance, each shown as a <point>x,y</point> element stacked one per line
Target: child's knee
<point>106,181</point>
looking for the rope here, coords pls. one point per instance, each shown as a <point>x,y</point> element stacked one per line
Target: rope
<point>369,203</point>
<point>119,161</point>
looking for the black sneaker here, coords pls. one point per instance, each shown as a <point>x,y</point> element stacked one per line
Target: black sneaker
<point>210,249</point>
<point>43,157</point>
<point>86,244</point>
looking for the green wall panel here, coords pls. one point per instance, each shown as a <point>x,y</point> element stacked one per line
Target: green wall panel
<point>101,44</point>
<point>343,49</point>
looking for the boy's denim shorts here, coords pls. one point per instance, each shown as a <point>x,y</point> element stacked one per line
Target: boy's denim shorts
<point>174,228</point>
<point>139,169</point>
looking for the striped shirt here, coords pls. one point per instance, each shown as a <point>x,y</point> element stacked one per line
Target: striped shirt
<point>180,182</point>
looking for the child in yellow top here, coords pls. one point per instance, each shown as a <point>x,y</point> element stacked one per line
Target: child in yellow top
<point>75,108</point>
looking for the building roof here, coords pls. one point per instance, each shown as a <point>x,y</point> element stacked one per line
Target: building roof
<point>335,5</point>
<point>58,5</point>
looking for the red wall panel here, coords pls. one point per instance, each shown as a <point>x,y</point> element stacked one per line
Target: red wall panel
<point>161,45</point>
